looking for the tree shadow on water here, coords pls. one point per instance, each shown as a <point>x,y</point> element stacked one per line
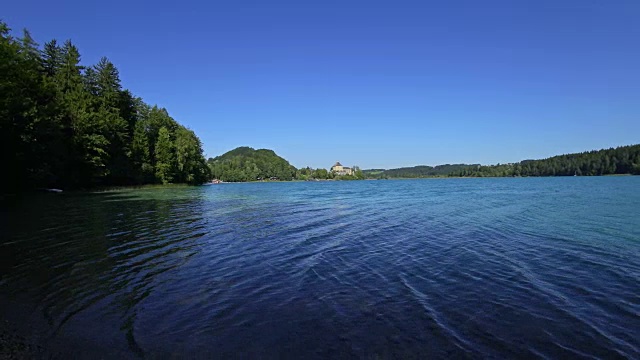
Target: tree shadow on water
<point>82,257</point>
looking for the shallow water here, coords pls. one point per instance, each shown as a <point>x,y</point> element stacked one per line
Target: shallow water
<point>530,267</point>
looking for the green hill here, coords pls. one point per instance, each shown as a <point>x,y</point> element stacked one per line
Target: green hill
<point>248,164</point>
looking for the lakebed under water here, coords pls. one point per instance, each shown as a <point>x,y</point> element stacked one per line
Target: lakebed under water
<point>508,267</point>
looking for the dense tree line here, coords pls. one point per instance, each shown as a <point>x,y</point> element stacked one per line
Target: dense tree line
<point>620,160</point>
<point>415,171</point>
<point>69,126</point>
<point>308,173</point>
<point>323,174</point>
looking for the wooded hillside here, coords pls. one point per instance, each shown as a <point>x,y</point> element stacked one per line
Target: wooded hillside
<point>67,125</point>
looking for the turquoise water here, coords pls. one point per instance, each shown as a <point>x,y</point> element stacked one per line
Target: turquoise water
<point>522,267</point>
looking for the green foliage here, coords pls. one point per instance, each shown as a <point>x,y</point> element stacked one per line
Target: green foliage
<point>140,156</point>
<point>415,172</point>
<point>304,173</point>
<point>72,126</point>
<point>191,166</point>
<point>165,156</point>
<point>248,164</point>
<point>620,160</point>
<point>29,127</point>
<point>321,174</point>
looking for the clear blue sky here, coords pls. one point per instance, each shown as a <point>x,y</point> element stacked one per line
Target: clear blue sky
<point>376,84</point>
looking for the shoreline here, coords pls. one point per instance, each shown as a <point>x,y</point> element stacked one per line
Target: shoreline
<point>7,196</point>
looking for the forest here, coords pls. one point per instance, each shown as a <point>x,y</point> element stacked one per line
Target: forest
<point>613,161</point>
<point>415,171</point>
<point>73,126</point>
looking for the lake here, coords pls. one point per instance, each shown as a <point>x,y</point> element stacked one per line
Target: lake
<point>434,268</point>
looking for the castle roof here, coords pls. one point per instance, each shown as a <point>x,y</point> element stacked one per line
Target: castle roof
<point>337,163</point>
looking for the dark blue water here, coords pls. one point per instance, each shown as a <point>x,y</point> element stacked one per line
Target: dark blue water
<point>447,268</point>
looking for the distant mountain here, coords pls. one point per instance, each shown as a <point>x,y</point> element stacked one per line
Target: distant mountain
<point>416,171</point>
<point>247,164</point>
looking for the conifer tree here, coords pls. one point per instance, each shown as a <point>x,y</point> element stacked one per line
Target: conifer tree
<point>65,125</point>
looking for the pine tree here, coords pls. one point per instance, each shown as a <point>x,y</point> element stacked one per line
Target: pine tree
<point>70,126</point>
<point>52,58</point>
<point>104,83</point>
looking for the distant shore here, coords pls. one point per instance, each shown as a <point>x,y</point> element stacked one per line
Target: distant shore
<point>107,189</point>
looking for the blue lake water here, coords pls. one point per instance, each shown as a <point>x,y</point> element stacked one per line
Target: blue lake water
<point>444,268</point>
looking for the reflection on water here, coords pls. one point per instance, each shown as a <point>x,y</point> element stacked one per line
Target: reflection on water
<point>449,268</point>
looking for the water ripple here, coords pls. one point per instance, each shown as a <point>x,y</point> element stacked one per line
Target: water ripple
<point>456,268</point>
